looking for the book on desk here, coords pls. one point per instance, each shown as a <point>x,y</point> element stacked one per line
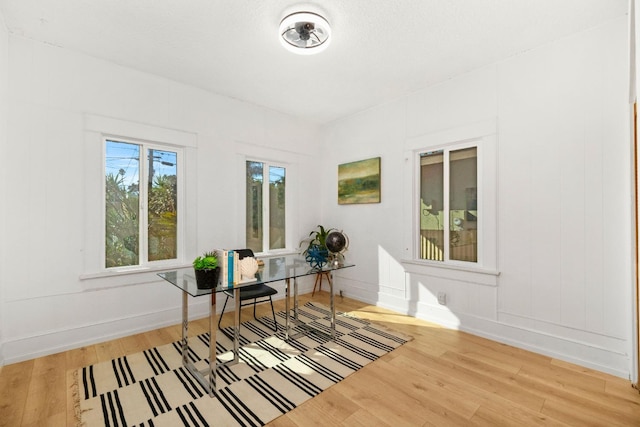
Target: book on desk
<point>229,263</point>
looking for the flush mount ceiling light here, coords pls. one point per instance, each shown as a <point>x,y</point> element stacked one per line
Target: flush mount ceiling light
<point>305,33</point>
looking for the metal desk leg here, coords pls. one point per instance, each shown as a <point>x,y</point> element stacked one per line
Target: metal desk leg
<point>209,385</point>
<point>295,299</point>
<point>333,307</point>
<point>201,375</point>
<point>185,328</point>
<point>212,345</point>
<point>236,324</point>
<point>286,318</point>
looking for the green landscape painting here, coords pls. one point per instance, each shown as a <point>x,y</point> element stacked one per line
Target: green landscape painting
<point>359,182</point>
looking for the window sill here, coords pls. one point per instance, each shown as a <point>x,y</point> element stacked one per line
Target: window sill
<point>266,255</point>
<point>126,276</point>
<point>477,275</point>
<point>132,270</point>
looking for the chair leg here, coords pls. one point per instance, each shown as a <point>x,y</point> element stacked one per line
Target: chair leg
<point>222,312</point>
<point>318,276</point>
<point>275,323</point>
<point>273,313</point>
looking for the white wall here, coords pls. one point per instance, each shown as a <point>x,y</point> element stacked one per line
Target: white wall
<point>563,225</point>
<point>50,161</point>
<point>4,69</point>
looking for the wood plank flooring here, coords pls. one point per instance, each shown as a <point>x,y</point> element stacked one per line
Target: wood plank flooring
<point>441,378</point>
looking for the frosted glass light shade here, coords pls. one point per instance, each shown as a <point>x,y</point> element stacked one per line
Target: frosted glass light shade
<point>305,33</point>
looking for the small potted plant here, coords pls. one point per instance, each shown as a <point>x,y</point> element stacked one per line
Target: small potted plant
<point>207,270</point>
<point>316,253</point>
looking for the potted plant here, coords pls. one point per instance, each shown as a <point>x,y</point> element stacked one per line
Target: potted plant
<point>207,270</point>
<point>316,253</point>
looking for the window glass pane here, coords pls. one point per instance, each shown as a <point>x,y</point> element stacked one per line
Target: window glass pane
<point>254,231</point>
<point>163,202</point>
<point>463,205</point>
<point>431,206</point>
<point>122,182</point>
<point>276,207</point>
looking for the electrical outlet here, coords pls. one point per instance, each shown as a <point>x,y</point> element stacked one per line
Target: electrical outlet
<point>442,298</point>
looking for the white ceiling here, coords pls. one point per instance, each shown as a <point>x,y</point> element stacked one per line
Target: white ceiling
<point>381,49</point>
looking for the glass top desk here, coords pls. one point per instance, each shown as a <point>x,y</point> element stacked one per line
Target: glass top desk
<point>274,270</point>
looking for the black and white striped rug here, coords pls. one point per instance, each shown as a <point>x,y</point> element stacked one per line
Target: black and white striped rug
<point>152,388</point>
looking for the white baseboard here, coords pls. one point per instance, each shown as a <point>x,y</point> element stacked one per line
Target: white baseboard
<point>353,289</point>
<point>573,351</point>
<point>30,347</point>
<point>598,358</point>
<point>590,356</point>
<point>25,348</point>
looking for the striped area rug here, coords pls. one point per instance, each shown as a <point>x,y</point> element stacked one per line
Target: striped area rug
<point>273,376</point>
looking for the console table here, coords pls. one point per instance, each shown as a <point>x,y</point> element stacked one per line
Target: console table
<point>275,269</point>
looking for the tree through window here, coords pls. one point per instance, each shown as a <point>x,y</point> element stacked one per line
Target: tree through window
<point>141,222</point>
<point>265,206</point>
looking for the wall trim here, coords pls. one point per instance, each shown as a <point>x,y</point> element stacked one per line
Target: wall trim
<point>50,342</point>
<point>130,129</point>
<point>599,358</point>
<point>458,133</point>
<point>474,276</point>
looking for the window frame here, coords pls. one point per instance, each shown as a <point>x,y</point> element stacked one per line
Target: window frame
<point>143,224</point>
<point>446,182</point>
<point>485,133</point>
<point>247,151</point>
<point>97,127</point>
<point>266,164</point>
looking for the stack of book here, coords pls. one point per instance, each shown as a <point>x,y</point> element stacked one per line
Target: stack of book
<point>229,263</point>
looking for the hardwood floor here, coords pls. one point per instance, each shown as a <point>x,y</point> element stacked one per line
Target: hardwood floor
<point>442,377</point>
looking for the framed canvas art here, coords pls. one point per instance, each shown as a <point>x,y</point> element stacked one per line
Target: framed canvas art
<point>359,182</point>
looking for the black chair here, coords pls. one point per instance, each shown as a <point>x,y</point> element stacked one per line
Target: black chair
<point>258,293</point>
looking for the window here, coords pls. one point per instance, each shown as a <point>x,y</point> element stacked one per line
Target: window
<point>265,206</point>
<point>141,221</point>
<point>449,202</point>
